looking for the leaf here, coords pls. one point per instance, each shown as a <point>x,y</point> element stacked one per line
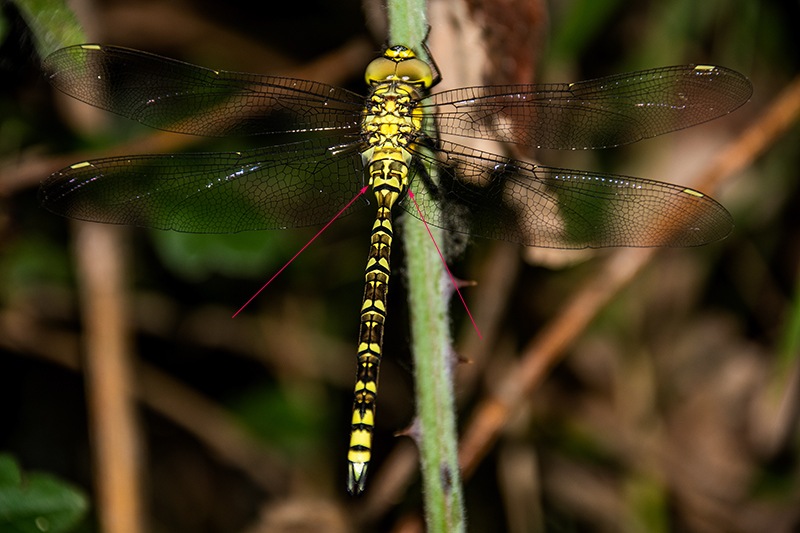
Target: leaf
<point>243,255</point>
<point>37,502</point>
<point>53,23</point>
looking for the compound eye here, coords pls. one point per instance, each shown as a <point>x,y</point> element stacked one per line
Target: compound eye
<point>380,69</point>
<point>415,71</point>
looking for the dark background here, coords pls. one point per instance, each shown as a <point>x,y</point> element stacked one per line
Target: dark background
<point>675,409</point>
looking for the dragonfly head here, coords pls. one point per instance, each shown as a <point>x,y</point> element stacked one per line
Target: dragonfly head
<point>399,63</point>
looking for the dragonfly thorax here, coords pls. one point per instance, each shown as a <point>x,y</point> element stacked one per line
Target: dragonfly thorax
<point>391,117</point>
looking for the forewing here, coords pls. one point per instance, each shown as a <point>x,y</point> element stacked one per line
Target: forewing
<point>283,186</point>
<point>176,96</point>
<point>485,195</point>
<point>598,113</point>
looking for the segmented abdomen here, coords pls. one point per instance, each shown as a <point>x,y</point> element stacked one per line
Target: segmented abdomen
<point>388,177</point>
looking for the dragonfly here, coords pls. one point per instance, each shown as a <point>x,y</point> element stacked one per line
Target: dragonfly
<point>333,143</point>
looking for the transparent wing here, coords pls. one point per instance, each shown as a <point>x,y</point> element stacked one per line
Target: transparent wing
<point>501,198</point>
<point>283,186</point>
<point>175,96</point>
<point>598,113</point>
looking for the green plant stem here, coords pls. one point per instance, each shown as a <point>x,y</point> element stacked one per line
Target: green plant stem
<point>429,293</point>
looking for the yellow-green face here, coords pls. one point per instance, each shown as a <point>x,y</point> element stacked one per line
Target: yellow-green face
<point>399,63</point>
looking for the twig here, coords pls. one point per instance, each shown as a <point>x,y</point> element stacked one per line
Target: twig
<point>547,348</point>
<point>108,372</point>
<point>435,427</point>
<point>206,420</point>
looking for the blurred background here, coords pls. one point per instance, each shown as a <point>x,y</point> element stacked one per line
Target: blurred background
<point>673,408</point>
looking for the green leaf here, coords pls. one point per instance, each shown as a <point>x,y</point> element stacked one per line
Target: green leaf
<point>53,24</point>
<point>37,502</point>
<point>3,28</point>
<point>237,255</point>
<point>292,418</point>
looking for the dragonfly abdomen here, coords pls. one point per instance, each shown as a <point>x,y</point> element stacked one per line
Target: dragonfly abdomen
<point>389,179</point>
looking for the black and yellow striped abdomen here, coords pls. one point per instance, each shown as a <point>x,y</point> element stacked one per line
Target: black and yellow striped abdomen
<point>373,317</point>
<point>390,123</point>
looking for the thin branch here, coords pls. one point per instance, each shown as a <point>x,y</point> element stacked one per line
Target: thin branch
<point>203,418</point>
<point>435,427</point>
<point>548,348</point>
<point>112,405</point>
